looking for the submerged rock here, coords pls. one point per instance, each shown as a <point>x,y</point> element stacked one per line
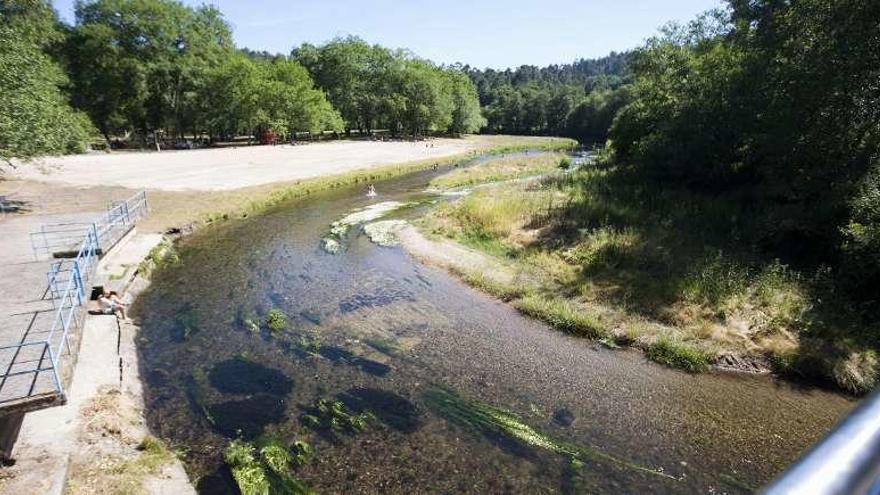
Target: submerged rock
<point>363,215</point>
<point>563,417</point>
<point>330,245</point>
<point>384,233</point>
<point>246,418</point>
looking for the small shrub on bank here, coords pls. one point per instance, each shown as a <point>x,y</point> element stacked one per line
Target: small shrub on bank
<point>678,354</point>
<point>563,315</point>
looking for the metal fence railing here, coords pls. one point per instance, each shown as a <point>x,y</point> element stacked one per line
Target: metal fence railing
<point>61,239</point>
<point>67,281</point>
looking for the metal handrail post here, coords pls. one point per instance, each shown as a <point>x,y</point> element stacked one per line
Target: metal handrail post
<point>95,232</point>
<point>80,287</point>
<point>58,386</point>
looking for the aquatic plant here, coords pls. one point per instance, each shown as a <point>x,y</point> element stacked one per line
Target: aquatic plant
<point>197,390</point>
<point>247,471</point>
<point>250,321</point>
<point>311,342</point>
<point>276,320</point>
<point>161,256</point>
<point>302,452</point>
<point>186,323</point>
<point>263,469</point>
<point>334,417</point>
<point>494,422</point>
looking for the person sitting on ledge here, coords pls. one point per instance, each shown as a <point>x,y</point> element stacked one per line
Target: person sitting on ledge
<point>109,303</point>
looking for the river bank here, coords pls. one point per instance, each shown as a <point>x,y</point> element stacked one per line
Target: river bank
<point>587,256</point>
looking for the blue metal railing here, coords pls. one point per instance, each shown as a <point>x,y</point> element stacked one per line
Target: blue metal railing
<point>55,239</point>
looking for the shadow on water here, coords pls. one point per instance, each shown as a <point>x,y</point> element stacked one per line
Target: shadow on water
<point>246,418</point>
<point>341,356</point>
<point>220,482</point>
<point>391,409</point>
<point>241,376</point>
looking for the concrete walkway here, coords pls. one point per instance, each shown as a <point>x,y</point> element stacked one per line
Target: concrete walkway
<point>49,438</point>
<point>26,313</point>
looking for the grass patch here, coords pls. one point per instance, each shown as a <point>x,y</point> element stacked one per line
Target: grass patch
<point>481,240</point>
<point>563,315</point>
<point>505,291</point>
<point>677,354</point>
<point>500,169</point>
<point>160,257</point>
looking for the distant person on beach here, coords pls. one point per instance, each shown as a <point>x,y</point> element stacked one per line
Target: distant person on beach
<point>371,191</point>
<point>109,303</point>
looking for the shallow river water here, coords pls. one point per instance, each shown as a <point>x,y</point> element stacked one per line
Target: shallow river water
<point>432,359</point>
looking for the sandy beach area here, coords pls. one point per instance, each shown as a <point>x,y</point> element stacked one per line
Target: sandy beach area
<point>223,169</point>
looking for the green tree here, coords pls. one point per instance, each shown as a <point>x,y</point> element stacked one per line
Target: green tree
<point>35,117</point>
<point>140,64</point>
<point>466,116</point>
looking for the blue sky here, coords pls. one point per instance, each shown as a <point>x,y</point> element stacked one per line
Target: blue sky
<point>483,33</point>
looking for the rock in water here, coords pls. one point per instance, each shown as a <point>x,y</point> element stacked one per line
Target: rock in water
<point>384,233</point>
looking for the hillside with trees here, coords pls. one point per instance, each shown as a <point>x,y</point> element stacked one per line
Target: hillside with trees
<point>577,100</point>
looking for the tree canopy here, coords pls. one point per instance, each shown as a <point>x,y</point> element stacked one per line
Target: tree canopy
<point>35,117</point>
<point>374,87</point>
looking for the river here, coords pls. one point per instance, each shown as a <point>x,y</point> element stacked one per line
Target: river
<point>435,362</point>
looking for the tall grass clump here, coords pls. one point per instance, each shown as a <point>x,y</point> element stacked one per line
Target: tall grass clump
<point>678,354</point>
